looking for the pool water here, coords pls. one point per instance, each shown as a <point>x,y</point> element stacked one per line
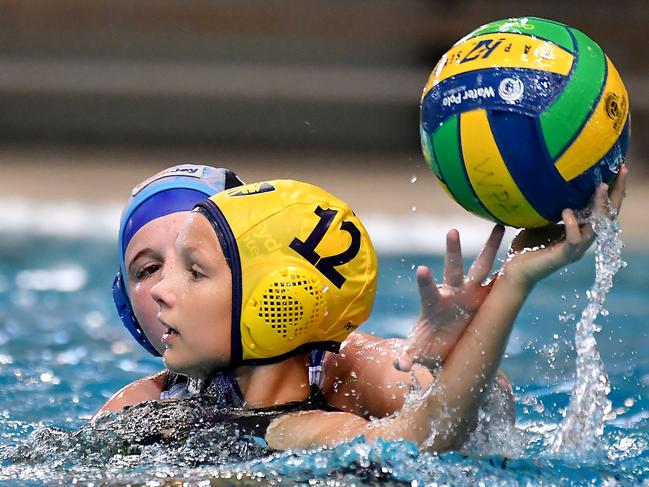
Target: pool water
<point>63,353</point>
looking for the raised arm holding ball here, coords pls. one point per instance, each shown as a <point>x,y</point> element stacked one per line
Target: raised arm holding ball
<point>349,381</point>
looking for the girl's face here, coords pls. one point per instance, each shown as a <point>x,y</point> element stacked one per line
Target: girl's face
<point>149,254</point>
<point>195,300</point>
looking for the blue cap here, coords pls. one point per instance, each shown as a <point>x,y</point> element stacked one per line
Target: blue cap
<point>175,189</point>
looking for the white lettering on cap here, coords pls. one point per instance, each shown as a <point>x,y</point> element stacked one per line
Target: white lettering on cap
<point>188,170</point>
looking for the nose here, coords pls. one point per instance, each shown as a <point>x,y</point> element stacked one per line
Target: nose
<point>162,293</point>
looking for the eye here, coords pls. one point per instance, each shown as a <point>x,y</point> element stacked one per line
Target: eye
<point>196,272</point>
<point>146,271</point>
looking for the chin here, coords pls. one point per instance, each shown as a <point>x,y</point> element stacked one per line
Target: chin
<point>189,367</point>
<point>176,364</point>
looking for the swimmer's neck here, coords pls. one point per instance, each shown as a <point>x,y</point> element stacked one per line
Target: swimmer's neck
<point>271,385</point>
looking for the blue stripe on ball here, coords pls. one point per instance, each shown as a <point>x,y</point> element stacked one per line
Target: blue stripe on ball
<point>480,89</point>
<point>529,164</point>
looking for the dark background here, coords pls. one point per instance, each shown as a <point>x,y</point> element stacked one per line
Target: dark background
<point>261,75</point>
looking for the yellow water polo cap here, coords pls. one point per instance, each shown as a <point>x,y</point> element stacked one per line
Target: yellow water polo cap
<point>304,269</point>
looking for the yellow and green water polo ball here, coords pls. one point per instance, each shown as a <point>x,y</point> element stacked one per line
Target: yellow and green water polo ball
<point>523,118</point>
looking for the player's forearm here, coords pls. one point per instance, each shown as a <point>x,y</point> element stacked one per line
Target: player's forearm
<point>474,361</point>
<point>448,411</point>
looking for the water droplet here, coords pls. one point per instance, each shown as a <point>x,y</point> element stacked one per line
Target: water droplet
<point>566,317</point>
<point>46,377</point>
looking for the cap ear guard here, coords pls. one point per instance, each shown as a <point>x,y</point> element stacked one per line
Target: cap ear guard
<point>125,312</point>
<point>284,312</point>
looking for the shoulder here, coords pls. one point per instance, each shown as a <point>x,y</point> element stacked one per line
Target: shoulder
<point>310,429</point>
<point>356,345</point>
<point>144,389</point>
<point>361,377</point>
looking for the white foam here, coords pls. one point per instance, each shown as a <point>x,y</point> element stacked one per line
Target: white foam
<point>70,219</point>
<point>392,235</point>
<point>69,278</point>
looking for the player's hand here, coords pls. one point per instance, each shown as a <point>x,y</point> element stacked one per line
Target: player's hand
<point>448,308</point>
<point>537,252</point>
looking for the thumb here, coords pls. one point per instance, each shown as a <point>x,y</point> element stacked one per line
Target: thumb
<point>405,360</point>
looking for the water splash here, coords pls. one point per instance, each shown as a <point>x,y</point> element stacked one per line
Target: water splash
<point>495,433</point>
<point>583,424</point>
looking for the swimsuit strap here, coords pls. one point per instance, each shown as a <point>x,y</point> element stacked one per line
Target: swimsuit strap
<point>226,389</point>
<point>174,386</point>
<point>316,368</point>
<point>223,387</point>
<point>255,422</point>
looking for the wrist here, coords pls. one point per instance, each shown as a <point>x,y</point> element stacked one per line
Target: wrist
<point>515,282</point>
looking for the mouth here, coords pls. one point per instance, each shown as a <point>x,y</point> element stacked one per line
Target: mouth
<point>170,334</point>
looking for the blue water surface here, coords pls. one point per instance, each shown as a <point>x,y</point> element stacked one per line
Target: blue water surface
<point>63,353</point>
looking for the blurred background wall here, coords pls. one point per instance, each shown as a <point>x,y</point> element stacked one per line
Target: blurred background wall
<point>260,74</point>
<point>110,91</point>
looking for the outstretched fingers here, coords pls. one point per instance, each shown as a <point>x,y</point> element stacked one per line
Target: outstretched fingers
<point>578,239</point>
<point>484,262</point>
<point>601,201</point>
<point>574,233</point>
<point>453,264</point>
<point>429,296</point>
<point>598,205</point>
<point>607,201</point>
<point>617,192</point>
<point>428,292</point>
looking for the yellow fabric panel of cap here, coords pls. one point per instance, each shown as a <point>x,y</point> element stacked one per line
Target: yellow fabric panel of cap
<point>308,267</point>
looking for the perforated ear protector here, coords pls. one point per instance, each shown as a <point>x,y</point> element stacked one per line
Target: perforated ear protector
<point>283,308</point>
<point>303,268</point>
<point>174,189</point>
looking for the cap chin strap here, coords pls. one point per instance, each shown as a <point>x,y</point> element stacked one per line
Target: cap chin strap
<point>282,316</point>
<point>126,314</point>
